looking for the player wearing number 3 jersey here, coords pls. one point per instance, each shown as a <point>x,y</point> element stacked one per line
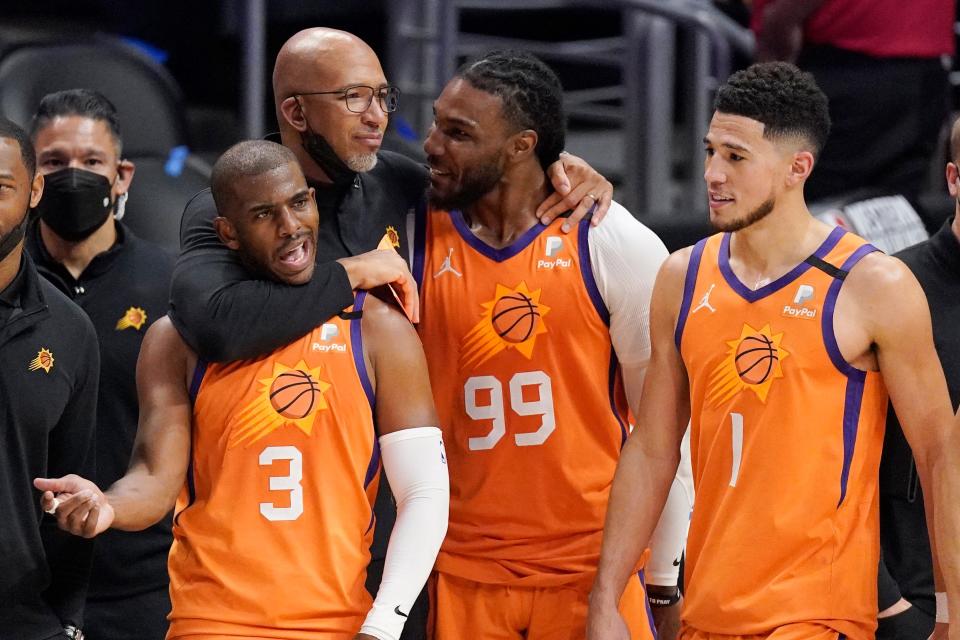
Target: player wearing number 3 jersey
<point>779,338</point>
<point>529,335</point>
<point>276,458</point>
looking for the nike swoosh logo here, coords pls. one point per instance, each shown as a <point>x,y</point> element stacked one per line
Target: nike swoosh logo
<point>676,562</point>
<point>397,611</point>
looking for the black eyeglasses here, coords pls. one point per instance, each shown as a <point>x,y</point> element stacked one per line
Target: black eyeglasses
<point>359,97</point>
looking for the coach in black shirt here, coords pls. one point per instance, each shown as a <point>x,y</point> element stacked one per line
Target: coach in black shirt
<point>48,391</point>
<point>122,283</point>
<point>332,104</point>
<point>906,571</point>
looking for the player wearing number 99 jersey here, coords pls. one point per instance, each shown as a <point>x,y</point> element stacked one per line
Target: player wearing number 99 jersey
<point>278,457</point>
<point>528,341</point>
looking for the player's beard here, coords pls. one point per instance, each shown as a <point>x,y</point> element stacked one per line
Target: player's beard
<point>762,211</point>
<point>476,183</point>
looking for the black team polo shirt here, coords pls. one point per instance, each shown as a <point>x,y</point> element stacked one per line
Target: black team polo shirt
<point>49,367</point>
<point>903,527</point>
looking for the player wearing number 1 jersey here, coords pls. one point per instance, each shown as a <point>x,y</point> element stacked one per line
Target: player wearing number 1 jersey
<point>278,456</point>
<point>780,338</point>
<point>527,331</point>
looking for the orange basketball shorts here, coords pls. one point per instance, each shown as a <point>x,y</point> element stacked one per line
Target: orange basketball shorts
<point>461,609</point>
<point>799,631</point>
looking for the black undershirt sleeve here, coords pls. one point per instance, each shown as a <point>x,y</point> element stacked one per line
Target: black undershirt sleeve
<point>225,315</point>
<point>71,450</point>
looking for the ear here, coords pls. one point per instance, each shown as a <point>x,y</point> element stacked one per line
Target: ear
<point>36,190</point>
<point>125,171</point>
<point>522,145</point>
<point>226,232</point>
<point>291,109</point>
<point>953,175</point>
<point>800,168</point>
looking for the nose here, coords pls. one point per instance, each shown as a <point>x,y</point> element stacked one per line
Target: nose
<point>712,171</point>
<point>288,223</point>
<point>431,145</point>
<point>374,115</point>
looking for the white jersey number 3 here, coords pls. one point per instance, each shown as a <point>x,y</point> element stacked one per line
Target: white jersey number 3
<point>289,482</point>
<point>495,410</point>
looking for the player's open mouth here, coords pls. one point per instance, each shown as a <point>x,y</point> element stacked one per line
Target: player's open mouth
<point>297,255</point>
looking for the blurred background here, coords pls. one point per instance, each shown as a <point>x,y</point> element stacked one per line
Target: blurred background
<point>190,78</point>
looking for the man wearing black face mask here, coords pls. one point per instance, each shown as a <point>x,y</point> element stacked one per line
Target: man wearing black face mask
<point>121,282</point>
<point>48,394</point>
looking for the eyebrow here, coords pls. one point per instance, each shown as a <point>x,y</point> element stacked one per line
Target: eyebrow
<point>729,145</point>
<point>7,176</point>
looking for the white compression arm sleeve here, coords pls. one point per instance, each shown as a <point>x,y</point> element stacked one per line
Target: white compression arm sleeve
<point>416,466</point>
<point>670,536</point>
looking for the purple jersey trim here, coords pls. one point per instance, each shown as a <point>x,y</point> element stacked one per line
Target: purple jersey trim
<point>356,345</point>
<point>419,242</point>
<point>829,306</point>
<point>852,403</point>
<point>751,295</point>
<point>612,395</point>
<point>198,372</point>
<point>689,284</point>
<point>855,377</point>
<point>498,255</point>
<point>586,270</point>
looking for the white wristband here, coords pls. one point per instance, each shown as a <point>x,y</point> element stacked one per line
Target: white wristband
<point>943,615</point>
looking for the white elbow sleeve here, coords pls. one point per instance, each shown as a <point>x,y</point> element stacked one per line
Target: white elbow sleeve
<point>416,466</point>
<point>670,536</point>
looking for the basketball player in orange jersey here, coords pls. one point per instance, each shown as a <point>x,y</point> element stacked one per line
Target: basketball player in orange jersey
<point>537,344</point>
<point>276,458</point>
<point>780,338</point>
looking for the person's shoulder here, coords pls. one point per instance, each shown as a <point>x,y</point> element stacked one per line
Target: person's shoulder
<point>879,276</point>
<point>381,312</point>
<point>162,337</point>
<point>393,161</point>
<point>64,312</point>
<point>620,227</point>
<point>149,252</point>
<point>403,171</point>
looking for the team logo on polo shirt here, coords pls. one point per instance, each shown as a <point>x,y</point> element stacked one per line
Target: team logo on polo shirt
<point>44,360</point>
<point>133,317</point>
<point>393,236</point>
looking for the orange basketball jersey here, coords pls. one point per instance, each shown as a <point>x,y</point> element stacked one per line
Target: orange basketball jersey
<point>785,442</point>
<point>527,388</point>
<point>272,531</point>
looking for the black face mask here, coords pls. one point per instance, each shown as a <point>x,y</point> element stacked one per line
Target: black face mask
<point>326,158</point>
<point>15,235</point>
<point>75,203</point>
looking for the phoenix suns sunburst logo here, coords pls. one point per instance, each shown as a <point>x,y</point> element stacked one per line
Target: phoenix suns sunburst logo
<point>44,360</point>
<point>132,317</point>
<point>752,362</point>
<point>392,235</point>
<point>511,320</point>
<point>290,396</point>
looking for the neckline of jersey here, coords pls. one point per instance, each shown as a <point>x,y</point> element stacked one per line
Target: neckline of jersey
<point>498,255</point>
<point>753,295</point>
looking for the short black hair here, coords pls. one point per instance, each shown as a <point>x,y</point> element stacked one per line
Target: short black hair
<point>531,94</point>
<point>86,103</point>
<point>784,99</point>
<point>10,130</point>
<point>242,160</point>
